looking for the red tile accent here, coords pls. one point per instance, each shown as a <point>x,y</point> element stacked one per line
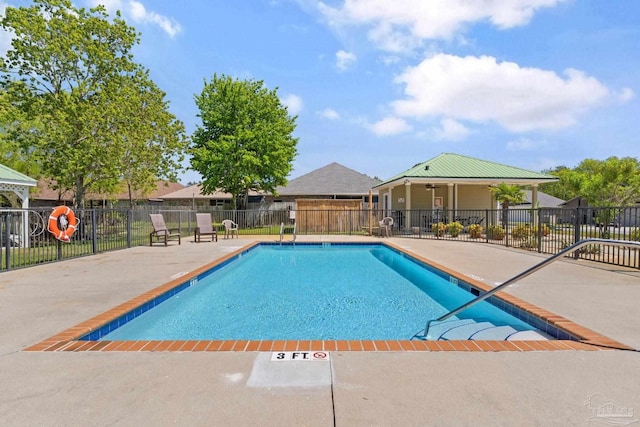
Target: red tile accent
<point>252,346</point>
<point>330,346</point>
<point>342,345</point>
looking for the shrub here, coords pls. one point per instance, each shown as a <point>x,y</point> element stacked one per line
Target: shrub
<point>521,232</point>
<point>635,234</point>
<point>454,228</point>
<point>495,232</point>
<point>475,231</point>
<point>438,229</point>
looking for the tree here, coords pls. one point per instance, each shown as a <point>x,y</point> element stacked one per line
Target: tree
<point>75,65</point>
<point>611,182</point>
<point>155,142</point>
<point>245,141</point>
<point>18,135</point>
<point>506,195</point>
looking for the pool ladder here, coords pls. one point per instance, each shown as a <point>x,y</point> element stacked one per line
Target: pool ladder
<point>514,279</point>
<point>282,232</point>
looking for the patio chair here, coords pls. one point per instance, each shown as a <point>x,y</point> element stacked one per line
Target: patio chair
<point>204,228</point>
<point>385,226</point>
<point>230,228</point>
<point>160,231</point>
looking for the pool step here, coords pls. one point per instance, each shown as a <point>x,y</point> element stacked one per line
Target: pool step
<point>469,329</point>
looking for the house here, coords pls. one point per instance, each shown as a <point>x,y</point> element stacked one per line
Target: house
<point>333,181</point>
<point>45,196</point>
<point>453,182</point>
<point>547,203</point>
<point>193,197</point>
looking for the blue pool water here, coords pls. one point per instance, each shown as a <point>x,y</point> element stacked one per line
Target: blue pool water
<point>309,292</point>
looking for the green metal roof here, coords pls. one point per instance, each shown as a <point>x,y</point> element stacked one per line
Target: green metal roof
<point>8,175</point>
<point>456,166</point>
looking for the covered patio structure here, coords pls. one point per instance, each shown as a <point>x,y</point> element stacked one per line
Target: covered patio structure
<point>448,183</point>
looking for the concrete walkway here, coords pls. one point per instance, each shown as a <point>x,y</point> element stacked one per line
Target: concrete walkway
<point>353,389</point>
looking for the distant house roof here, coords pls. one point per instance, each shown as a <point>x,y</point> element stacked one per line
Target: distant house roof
<point>330,180</point>
<point>195,192</point>
<point>10,176</point>
<point>45,192</point>
<point>448,167</point>
<point>544,200</point>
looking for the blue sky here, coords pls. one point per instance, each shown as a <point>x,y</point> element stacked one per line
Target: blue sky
<point>380,85</point>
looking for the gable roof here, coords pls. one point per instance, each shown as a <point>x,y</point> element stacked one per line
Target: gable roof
<point>10,176</point>
<point>330,180</point>
<point>448,167</point>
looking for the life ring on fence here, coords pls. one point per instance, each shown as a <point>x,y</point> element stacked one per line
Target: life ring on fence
<point>69,217</point>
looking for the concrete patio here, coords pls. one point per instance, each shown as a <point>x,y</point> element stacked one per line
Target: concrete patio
<point>353,389</point>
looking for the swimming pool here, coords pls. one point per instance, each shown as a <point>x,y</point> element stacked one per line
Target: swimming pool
<point>308,292</point>
<point>87,335</point>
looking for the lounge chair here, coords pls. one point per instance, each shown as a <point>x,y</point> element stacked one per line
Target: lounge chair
<point>230,228</point>
<point>160,231</point>
<point>385,226</point>
<point>204,228</point>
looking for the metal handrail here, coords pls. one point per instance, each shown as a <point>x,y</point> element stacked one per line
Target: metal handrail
<point>571,248</point>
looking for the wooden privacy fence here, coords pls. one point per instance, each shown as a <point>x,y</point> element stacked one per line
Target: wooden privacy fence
<point>316,216</point>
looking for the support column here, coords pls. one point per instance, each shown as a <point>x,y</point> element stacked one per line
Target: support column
<point>450,204</point>
<point>534,204</point>
<point>407,194</point>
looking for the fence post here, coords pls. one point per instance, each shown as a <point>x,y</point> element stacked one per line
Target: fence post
<point>94,231</point>
<point>540,233</point>
<point>129,217</point>
<point>486,234</point>
<point>7,241</point>
<point>576,231</point>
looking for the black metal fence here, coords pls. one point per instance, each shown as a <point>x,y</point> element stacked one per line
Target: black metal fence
<point>25,241</point>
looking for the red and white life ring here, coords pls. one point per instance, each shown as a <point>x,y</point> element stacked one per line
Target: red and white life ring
<point>66,233</point>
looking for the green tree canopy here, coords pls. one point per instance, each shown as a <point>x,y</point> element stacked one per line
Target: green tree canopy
<point>72,70</point>
<point>245,141</point>
<point>611,182</point>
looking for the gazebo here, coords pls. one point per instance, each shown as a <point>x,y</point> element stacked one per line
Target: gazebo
<point>14,186</point>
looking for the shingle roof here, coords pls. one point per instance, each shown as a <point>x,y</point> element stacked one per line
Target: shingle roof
<point>10,176</point>
<point>195,192</point>
<point>456,166</point>
<point>45,192</point>
<point>544,200</point>
<point>332,179</point>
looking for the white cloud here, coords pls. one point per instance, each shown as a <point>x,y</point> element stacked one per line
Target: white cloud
<point>403,25</point>
<point>137,12</point>
<point>481,90</point>
<point>344,60</point>
<point>525,144</point>
<point>451,130</point>
<point>293,103</point>
<point>626,95</point>
<point>390,126</point>
<point>330,114</point>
